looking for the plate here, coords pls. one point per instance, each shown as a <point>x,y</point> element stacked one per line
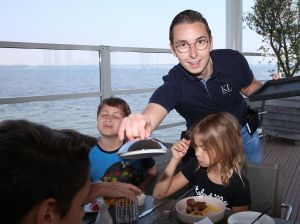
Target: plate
<point>248,217</point>
<point>143,153</point>
<point>88,208</point>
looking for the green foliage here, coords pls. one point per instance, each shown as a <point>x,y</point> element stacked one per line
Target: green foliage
<point>278,22</point>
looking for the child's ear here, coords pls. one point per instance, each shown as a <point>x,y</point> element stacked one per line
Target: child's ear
<point>47,212</point>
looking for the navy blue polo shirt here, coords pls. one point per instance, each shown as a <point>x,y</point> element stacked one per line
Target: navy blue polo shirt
<point>194,98</point>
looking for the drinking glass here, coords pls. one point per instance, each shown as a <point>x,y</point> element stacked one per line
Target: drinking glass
<point>127,211</point>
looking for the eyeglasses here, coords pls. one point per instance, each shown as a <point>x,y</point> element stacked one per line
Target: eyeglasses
<point>113,116</point>
<point>185,47</point>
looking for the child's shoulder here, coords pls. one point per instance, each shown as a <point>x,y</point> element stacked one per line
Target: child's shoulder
<point>97,149</point>
<point>237,179</point>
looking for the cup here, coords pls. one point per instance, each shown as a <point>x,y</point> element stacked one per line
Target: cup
<point>141,199</point>
<point>127,211</point>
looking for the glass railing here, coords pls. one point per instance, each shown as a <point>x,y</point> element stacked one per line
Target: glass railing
<point>61,85</point>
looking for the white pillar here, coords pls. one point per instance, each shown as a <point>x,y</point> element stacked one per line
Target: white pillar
<point>234,14</point>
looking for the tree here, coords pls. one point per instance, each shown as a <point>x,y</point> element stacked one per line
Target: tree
<point>278,21</point>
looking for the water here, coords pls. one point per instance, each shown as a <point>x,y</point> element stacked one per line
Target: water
<point>80,114</point>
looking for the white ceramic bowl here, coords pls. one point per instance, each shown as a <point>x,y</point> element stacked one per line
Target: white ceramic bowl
<point>248,217</point>
<point>214,216</point>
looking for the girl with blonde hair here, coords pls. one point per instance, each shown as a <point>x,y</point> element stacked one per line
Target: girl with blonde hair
<point>216,168</point>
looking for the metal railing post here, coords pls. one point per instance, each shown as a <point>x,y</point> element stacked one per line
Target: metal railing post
<point>105,72</point>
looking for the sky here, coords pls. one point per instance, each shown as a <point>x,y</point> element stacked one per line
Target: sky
<point>131,23</point>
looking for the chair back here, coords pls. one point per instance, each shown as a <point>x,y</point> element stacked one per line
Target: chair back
<point>264,188</point>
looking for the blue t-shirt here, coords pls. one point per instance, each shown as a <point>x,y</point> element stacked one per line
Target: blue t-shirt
<point>194,98</point>
<point>109,166</point>
<point>100,161</point>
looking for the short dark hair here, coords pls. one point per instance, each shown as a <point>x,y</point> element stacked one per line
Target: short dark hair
<point>36,163</point>
<point>188,16</point>
<point>115,102</point>
<point>88,140</point>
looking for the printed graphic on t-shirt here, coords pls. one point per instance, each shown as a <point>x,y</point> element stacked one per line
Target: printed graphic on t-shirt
<point>201,192</point>
<point>225,89</point>
<point>123,172</point>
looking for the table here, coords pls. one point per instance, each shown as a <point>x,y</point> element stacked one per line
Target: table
<point>273,89</point>
<point>156,217</point>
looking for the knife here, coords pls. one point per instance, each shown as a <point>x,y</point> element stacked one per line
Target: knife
<point>150,210</point>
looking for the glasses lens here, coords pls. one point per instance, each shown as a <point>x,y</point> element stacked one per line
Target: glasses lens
<point>201,44</point>
<point>183,48</point>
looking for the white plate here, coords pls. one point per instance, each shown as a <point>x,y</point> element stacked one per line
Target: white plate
<point>88,208</point>
<point>248,217</point>
<point>143,153</point>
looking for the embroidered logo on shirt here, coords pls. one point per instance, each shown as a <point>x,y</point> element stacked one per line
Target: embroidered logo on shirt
<point>225,89</point>
<point>202,193</point>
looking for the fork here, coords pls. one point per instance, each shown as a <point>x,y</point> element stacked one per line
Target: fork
<point>188,193</point>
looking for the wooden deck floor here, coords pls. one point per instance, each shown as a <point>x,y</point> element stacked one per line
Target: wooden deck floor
<point>287,155</point>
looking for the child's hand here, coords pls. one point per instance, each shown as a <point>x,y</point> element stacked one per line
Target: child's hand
<point>179,149</point>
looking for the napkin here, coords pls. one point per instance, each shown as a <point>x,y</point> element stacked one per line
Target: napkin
<point>206,220</point>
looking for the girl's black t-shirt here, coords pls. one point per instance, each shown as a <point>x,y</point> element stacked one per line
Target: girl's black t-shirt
<point>235,193</point>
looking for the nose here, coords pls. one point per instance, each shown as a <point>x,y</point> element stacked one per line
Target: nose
<point>108,118</point>
<point>193,51</point>
<point>199,152</point>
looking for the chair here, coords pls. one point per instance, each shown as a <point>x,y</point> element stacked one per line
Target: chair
<point>265,189</point>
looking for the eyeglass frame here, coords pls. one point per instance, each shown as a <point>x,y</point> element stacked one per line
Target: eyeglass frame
<point>189,45</point>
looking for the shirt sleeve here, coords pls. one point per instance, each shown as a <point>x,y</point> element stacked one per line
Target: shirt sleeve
<point>246,71</point>
<point>167,95</point>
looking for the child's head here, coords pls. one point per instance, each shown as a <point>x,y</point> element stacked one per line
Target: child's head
<point>44,172</point>
<point>218,136</point>
<point>117,103</point>
<point>88,140</point>
<point>110,114</point>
